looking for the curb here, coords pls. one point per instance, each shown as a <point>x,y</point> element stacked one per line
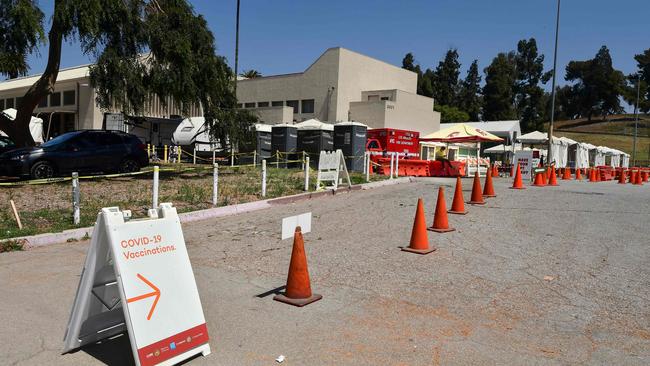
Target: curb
<point>40,240</point>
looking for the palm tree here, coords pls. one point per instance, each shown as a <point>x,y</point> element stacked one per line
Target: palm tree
<point>251,74</point>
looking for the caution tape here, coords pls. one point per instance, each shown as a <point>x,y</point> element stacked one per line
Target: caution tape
<point>64,179</point>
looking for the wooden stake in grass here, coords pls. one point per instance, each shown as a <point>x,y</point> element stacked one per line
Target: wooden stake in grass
<point>13,207</point>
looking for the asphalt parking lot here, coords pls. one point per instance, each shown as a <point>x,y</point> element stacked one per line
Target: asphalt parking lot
<point>544,276</point>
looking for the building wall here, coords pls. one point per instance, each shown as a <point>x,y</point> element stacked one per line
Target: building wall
<point>401,110</point>
<point>274,115</point>
<point>315,83</point>
<point>347,72</point>
<point>358,73</point>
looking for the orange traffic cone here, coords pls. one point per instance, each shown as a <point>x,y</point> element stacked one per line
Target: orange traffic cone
<point>644,176</point>
<point>632,177</point>
<point>298,290</point>
<point>457,205</point>
<point>477,197</point>
<point>578,176</point>
<point>566,175</point>
<point>518,183</point>
<point>598,175</point>
<point>638,180</point>
<point>488,188</point>
<point>495,171</point>
<point>539,180</point>
<point>552,179</point>
<point>592,175</point>
<point>621,177</point>
<point>440,223</point>
<point>419,238</point>
<point>512,168</point>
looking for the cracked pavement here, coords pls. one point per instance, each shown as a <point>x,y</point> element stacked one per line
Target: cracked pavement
<point>543,276</point>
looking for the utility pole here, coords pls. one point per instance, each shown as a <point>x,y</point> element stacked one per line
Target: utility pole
<point>236,49</point>
<point>636,116</point>
<point>549,159</point>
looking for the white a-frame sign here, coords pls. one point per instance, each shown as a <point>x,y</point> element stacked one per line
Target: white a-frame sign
<point>330,166</point>
<point>138,278</point>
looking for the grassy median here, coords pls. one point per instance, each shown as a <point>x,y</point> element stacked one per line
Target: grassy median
<point>48,207</point>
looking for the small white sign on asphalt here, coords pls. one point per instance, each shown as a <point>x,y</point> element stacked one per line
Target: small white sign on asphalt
<point>290,223</point>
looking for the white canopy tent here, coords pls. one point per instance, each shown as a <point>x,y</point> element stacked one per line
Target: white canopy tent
<point>599,160</point>
<point>625,160</point>
<point>533,138</point>
<point>35,125</point>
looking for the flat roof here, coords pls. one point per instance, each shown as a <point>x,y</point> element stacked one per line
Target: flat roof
<point>70,73</point>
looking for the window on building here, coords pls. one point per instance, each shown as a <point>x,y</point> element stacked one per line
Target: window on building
<point>277,103</point>
<point>372,98</point>
<point>239,105</point>
<point>307,105</point>
<point>43,102</point>
<point>69,97</point>
<point>385,98</point>
<point>2,104</point>
<point>294,105</point>
<point>55,99</point>
<point>10,103</point>
<point>249,105</point>
<point>263,104</point>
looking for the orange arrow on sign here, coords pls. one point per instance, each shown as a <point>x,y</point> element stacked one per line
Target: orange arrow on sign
<point>156,293</point>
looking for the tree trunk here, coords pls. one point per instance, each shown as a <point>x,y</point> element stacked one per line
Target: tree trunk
<point>18,129</point>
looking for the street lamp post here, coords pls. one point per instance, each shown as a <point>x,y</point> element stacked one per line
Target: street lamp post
<point>550,126</point>
<point>236,48</point>
<point>636,116</point>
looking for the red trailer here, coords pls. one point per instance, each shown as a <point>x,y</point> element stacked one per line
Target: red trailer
<point>382,141</point>
<point>406,144</point>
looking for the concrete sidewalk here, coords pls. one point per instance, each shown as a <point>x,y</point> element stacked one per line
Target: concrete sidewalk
<point>554,275</point>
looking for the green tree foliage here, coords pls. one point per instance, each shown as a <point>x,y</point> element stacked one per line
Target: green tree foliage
<point>598,85</point>
<point>423,83</point>
<point>469,98</point>
<point>445,79</point>
<point>21,31</point>
<point>643,66</point>
<point>498,92</point>
<point>566,103</point>
<point>451,114</point>
<point>251,74</point>
<point>142,48</point>
<point>528,94</point>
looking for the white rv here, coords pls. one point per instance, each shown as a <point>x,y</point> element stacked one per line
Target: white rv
<point>193,133</point>
<point>35,125</point>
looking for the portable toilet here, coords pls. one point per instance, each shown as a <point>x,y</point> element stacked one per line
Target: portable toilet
<point>263,140</point>
<point>351,138</point>
<point>284,141</point>
<point>315,136</point>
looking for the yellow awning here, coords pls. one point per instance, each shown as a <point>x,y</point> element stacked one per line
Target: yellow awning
<point>461,133</point>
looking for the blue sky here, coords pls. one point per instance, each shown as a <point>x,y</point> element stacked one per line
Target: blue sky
<point>282,36</point>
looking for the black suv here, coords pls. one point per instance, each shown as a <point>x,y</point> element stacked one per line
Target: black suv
<point>85,151</point>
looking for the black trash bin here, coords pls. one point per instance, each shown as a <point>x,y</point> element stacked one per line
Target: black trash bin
<point>284,140</point>
<point>351,138</point>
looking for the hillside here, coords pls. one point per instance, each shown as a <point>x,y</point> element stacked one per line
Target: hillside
<point>616,132</point>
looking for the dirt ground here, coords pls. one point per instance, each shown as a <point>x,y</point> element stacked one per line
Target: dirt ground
<point>542,276</point>
<point>48,207</point>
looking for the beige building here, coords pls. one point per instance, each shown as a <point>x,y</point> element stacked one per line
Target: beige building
<point>342,85</point>
<point>72,107</point>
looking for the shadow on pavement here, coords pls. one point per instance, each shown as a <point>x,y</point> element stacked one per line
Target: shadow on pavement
<point>115,351</point>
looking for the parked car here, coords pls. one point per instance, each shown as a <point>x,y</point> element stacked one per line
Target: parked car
<point>6,144</point>
<point>85,151</point>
